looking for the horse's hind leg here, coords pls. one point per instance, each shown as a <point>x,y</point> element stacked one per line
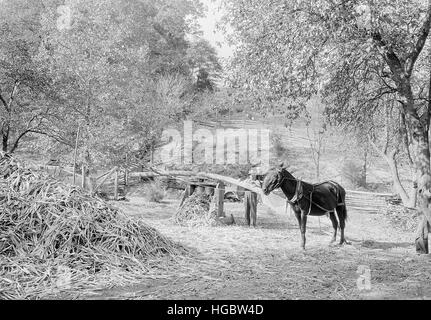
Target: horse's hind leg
<point>303,228</point>
<point>334,225</point>
<point>341,213</point>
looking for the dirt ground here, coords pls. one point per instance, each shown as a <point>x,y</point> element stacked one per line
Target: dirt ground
<point>266,262</point>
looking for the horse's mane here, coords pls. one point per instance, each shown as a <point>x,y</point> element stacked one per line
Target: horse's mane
<point>285,172</point>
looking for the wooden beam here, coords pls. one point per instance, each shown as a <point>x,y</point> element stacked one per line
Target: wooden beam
<point>106,176</point>
<point>213,176</point>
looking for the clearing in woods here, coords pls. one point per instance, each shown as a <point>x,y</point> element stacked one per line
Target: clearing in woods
<point>238,262</point>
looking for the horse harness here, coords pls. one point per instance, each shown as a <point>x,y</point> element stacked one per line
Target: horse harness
<point>299,194</point>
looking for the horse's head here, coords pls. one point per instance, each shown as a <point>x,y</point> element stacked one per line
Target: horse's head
<point>272,180</point>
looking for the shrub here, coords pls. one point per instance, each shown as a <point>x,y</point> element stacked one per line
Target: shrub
<point>279,148</point>
<point>154,192</point>
<point>354,173</point>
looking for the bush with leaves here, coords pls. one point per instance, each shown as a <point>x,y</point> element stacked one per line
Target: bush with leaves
<point>353,173</point>
<point>154,192</point>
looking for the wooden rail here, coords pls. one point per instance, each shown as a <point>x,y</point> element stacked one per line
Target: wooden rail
<point>367,202</point>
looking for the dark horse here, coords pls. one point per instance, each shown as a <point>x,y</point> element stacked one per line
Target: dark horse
<point>309,199</point>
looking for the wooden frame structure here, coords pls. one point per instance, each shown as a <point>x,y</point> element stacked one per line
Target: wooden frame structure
<point>250,196</point>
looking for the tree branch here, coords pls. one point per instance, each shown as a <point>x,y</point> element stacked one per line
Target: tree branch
<point>17,140</point>
<point>12,94</point>
<point>421,36</point>
<point>394,63</point>
<point>4,102</point>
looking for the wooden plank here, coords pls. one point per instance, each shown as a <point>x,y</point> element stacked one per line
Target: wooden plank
<point>106,173</point>
<point>103,181</point>
<point>145,174</point>
<point>370,193</point>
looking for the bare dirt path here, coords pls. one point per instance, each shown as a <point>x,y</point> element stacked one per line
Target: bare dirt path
<point>239,262</point>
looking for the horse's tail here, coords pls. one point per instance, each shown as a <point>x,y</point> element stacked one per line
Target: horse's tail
<point>344,212</point>
<point>342,203</point>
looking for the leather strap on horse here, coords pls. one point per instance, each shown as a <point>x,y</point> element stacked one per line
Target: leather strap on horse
<point>298,193</point>
<point>313,203</point>
<point>336,185</point>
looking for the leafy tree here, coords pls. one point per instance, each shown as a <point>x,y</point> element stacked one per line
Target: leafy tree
<point>317,131</point>
<point>203,81</point>
<point>356,52</point>
<point>114,56</point>
<point>386,133</point>
<point>27,94</point>
<point>117,72</point>
<point>203,61</point>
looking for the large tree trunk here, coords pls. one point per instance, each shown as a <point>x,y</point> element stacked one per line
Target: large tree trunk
<point>6,127</point>
<point>401,72</point>
<point>364,169</point>
<point>414,191</point>
<point>422,163</point>
<point>392,163</point>
<point>421,149</point>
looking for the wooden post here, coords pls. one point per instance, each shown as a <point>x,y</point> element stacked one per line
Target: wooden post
<point>126,172</point>
<point>250,204</point>
<point>83,176</point>
<point>126,177</point>
<point>152,155</point>
<point>75,154</point>
<point>219,191</point>
<point>190,189</point>
<point>116,185</point>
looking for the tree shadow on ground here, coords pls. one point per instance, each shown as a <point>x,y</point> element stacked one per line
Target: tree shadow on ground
<point>372,244</point>
<point>267,223</point>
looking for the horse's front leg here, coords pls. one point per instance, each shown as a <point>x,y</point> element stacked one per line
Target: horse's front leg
<point>303,228</point>
<point>302,222</point>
